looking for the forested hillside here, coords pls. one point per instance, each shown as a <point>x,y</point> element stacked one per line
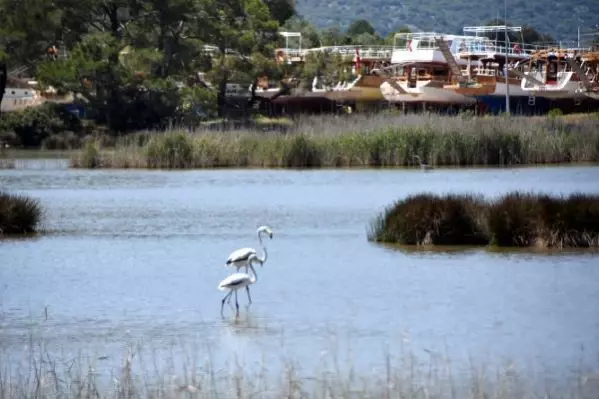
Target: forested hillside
<point>557,18</point>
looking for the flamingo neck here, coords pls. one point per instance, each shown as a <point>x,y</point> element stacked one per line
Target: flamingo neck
<point>254,276</point>
<point>264,252</point>
<point>260,237</point>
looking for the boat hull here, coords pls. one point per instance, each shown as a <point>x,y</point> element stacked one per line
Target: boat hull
<point>527,102</point>
<point>425,93</point>
<point>565,88</point>
<point>521,105</point>
<point>18,99</point>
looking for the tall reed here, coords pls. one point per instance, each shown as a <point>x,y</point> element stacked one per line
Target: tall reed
<point>382,140</point>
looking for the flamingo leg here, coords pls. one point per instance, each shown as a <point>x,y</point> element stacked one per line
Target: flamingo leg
<point>247,288</point>
<point>236,303</point>
<point>222,305</point>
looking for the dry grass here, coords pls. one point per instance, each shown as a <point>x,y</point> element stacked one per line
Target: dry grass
<point>382,140</point>
<point>39,374</point>
<point>516,219</point>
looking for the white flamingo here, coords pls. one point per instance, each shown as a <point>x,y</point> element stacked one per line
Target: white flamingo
<point>239,280</point>
<point>240,258</point>
<point>423,165</point>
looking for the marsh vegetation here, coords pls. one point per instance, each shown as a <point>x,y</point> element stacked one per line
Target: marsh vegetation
<point>515,219</point>
<point>384,140</point>
<point>19,214</point>
<point>40,373</point>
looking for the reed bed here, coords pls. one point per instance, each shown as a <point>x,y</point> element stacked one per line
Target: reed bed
<point>382,140</point>
<point>19,214</point>
<point>38,373</point>
<point>7,163</point>
<point>515,219</point>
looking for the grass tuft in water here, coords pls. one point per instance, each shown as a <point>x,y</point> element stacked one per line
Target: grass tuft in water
<point>514,220</point>
<point>382,140</point>
<point>19,214</point>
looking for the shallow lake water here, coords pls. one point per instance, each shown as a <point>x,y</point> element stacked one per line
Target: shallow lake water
<point>136,257</point>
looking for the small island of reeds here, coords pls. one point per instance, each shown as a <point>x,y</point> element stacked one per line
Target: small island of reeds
<point>513,220</point>
<point>19,214</point>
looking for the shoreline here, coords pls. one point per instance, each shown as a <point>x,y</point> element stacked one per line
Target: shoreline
<point>4,162</point>
<point>381,141</point>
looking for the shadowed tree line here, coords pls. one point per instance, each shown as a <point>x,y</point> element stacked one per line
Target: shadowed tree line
<point>135,63</point>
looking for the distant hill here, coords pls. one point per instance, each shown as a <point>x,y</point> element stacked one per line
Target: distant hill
<point>557,18</point>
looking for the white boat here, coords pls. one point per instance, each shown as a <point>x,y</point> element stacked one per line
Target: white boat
<point>589,72</point>
<point>18,97</point>
<point>362,60</point>
<point>420,70</point>
<point>492,56</point>
<point>551,75</point>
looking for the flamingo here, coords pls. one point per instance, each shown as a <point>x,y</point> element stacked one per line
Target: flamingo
<point>240,257</point>
<point>239,280</point>
<point>423,165</point>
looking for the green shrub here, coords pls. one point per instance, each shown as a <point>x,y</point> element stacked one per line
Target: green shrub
<point>303,153</point>
<point>432,219</point>
<point>515,219</point>
<point>19,214</point>
<point>90,157</point>
<point>35,124</point>
<point>61,141</point>
<point>170,151</point>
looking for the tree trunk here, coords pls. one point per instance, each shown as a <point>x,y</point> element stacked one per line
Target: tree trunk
<point>222,85</point>
<point>113,117</point>
<point>252,100</point>
<point>221,97</point>
<point>3,79</point>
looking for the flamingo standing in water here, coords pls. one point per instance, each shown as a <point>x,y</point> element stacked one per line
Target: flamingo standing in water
<point>239,280</point>
<point>423,165</point>
<point>240,257</point>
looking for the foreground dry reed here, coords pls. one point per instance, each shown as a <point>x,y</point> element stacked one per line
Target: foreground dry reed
<point>38,373</point>
<point>382,140</point>
<point>515,219</point>
<point>19,214</point>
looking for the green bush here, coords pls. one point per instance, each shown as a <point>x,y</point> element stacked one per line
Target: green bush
<point>19,214</point>
<point>515,219</point>
<point>61,141</point>
<point>34,125</point>
<point>303,153</point>
<point>90,158</point>
<point>432,219</point>
<point>170,151</point>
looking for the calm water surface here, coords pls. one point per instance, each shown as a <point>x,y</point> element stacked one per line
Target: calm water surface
<point>136,256</point>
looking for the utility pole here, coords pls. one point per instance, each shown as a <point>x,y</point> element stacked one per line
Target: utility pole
<point>3,79</point>
<point>507,73</point>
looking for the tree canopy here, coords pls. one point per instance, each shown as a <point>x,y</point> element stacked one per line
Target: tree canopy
<point>136,63</point>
